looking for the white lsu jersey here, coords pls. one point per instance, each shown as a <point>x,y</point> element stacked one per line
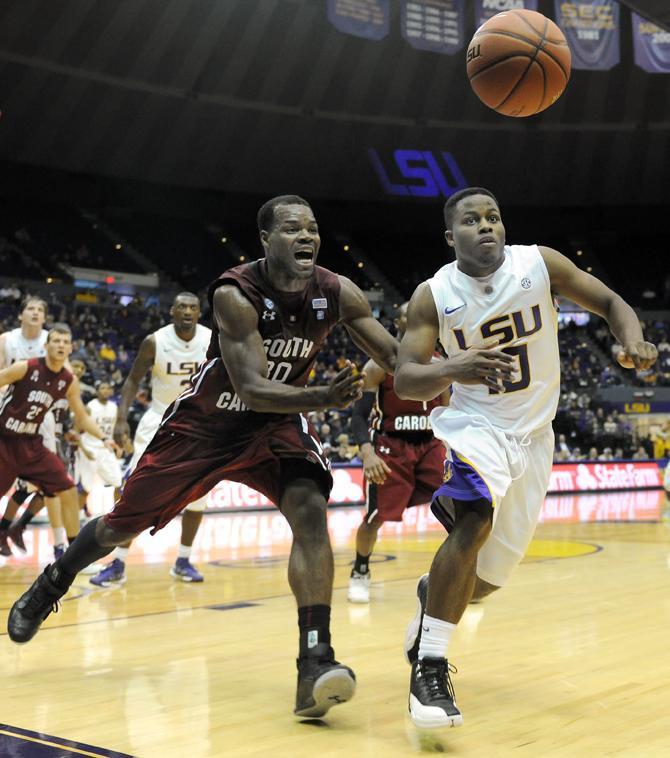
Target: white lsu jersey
<point>18,348</point>
<point>104,415</point>
<point>176,361</point>
<point>511,310</point>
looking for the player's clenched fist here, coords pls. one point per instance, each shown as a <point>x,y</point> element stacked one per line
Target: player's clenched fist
<point>639,355</point>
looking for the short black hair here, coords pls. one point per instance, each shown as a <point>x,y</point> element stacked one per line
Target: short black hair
<point>455,199</point>
<point>33,299</point>
<point>185,294</point>
<point>60,328</point>
<point>265,217</point>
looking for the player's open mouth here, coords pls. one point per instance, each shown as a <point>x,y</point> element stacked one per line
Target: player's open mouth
<point>305,256</point>
<point>487,241</point>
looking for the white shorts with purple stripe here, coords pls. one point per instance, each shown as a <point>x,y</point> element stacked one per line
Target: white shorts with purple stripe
<point>511,472</point>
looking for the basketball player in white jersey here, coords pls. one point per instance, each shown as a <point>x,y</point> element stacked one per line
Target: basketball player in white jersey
<point>493,311</point>
<point>92,456</point>
<point>27,341</point>
<point>172,353</point>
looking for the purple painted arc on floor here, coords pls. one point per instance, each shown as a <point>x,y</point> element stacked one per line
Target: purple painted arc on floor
<point>24,743</point>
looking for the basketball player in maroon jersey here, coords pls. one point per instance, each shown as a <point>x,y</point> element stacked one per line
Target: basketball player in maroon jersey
<point>242,419</point>
<point>33,387</point>
<point>403,463</point>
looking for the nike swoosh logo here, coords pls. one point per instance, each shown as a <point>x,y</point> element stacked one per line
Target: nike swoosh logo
<point>449,311</point>
<point>425,628</point>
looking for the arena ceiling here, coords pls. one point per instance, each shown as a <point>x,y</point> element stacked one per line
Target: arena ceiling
<point>266,96</point>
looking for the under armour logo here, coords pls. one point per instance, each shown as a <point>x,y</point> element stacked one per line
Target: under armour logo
<point>385,450</point>
<point>268,316</point>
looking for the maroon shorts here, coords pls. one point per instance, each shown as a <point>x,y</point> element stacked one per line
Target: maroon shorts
<point>177,469</point>
<point>27,458</point>
<point>416,472</point>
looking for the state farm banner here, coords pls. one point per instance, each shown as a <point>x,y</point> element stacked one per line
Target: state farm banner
<point>651,45</point>
<point>486,9</point>
<point>592,30</point>
<point>348,489</point>
<point>349,484</point>
<point>434,25</point>
<point>361,18</point>
<point>610,475</point>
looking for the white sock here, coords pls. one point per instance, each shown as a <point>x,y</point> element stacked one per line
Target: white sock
<point>122,553</point>
<point>60,536</point>
<point>184,551</point>
<point>435,636</point>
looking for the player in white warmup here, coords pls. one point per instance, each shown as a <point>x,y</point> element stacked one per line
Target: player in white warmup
<point>27,341</point>
<point>92,456</point>
<point>172,353</point>
<point>493,312</point>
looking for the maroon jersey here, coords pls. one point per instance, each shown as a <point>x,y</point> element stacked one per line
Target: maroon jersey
<point>294,327</point>
<point>24,404</point>
<point>407,419</point>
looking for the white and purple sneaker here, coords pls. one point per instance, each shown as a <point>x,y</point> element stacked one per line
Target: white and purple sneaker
<point>113,573</point>
<point>183,569</point>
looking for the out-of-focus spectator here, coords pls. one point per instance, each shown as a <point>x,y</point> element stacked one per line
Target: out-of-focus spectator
<point>344,452</point>
<point>640,454</point>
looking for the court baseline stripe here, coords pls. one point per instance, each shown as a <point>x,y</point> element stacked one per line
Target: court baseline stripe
<point>62,746</point>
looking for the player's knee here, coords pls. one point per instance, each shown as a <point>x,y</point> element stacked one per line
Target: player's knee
<point>472,530</point>
<point>106,536</point>
<point>308,521</point>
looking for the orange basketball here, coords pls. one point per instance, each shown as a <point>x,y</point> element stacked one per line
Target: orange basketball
<point>518,63</point>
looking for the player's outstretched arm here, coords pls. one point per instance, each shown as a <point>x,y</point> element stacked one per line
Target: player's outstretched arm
<point>13,373</point>
<point>589,292</point>
<point>144,360</point>
<point>364,329</point>
<point>244,356</point>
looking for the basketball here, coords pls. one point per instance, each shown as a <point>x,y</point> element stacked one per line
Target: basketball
<point>518,63</point>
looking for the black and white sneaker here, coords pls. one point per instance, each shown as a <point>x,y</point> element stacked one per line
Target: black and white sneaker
<point>30,610</point>
<point>432,703</point>
<point>322,682</point>
<point>413,634</point>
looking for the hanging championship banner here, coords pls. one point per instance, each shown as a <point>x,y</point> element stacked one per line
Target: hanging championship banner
<point>486,9</point>
<point>435,25</point>
<point>592,30</point>
<point>362,18</point>
<point>651,45</point>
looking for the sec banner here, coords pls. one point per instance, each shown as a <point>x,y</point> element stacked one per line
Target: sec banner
<point>651,45</point>
<point>592,30</point>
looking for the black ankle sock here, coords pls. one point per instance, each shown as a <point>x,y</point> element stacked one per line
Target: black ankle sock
<point>84,550</point>
<point>5,524</point>
<point>314,624</point>
<point>26,518</point>
<point>362,563</point>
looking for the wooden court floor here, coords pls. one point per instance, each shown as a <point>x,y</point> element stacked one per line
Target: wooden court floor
<point>572,658</point>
